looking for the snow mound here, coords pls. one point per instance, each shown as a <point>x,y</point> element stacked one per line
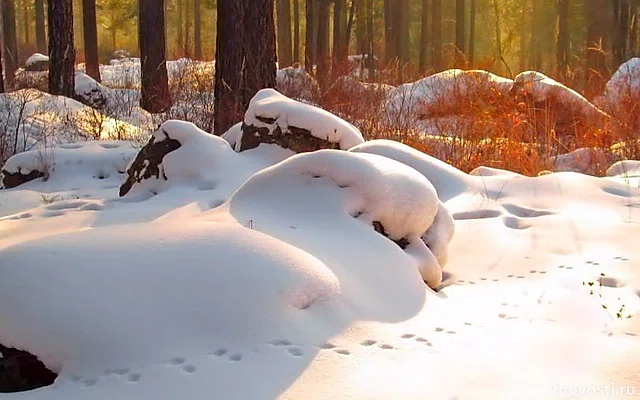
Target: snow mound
<point>623,86</point>
<point>591,161</point>
<point>625,168</point>
<point>296,83</point>
<point>36,58</point>
<point>84,160</point>
<point>443,94</point>
<point>274,118</point>
<point>448,180</point>
<point>394,199</point>
<point>179,153</point>
<point>212,285</point>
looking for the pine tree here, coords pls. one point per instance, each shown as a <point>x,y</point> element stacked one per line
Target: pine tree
<point>155,96</point>
<point>62,54</point>
<point>90,39</point>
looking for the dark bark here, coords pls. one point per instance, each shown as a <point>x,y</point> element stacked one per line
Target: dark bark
<point>370,44</point>
<point>535,52</point>
<point>323,42</point>
<point>296,31</point>
<point>151,37</point>
<point>339,37</point>
<point>259,47</point>
<point>460,30</point>
<point>361,26</point>
<point>390,40</point>
<point>622,13</point>
<point>229,65</point>
<point>10,40</point>
<point>62,54</point>
<point>197,30</point>
<point>401,30</point>
<point>311,34</point>
<point>26,20</point>
<point>90,39</point>
<point>285,55</point>
<point>562,48</point>
<point>599,26</point>
<point>187,31</point>
<point>436,34</point>
<point>180,26</point>
<point>41,37</point>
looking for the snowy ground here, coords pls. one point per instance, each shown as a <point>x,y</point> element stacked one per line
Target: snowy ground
<point>279,286</point>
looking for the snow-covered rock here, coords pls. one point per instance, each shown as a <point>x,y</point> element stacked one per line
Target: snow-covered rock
<point>273,118</point>
<point>452,92</point>
<point>37,62</point>
<point>296,83</point>
<point>591,161</point>
<point>559,108</point>
<point>90,160</point>
<point>389,197</point>
<point>625,168</point>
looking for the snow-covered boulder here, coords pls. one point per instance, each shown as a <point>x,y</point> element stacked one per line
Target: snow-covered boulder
<point>120,54</point>
<point>625,168</point>
<point>82,160</point>
<point>452,92</point>
<point>338,187</point>
<point>590,161</point>
<point>179,153</point>
<point>273,118</point>
<point>37,62</point>
<point>89,91</point>
<point>556,107</point>
<point>296,83</point>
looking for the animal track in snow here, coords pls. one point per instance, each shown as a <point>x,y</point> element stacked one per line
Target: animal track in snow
<point>385,346</point>
<point>294,351</point>
<point>368,342</point>
<point>407,336</point>
<point>177,361</point>
<point>220,352</point>
<point>280,342</point>
<point>344,352</point>
<point>134,378</point>
<point>235,357</point>
<point>189,369</point>
<point>327,346</point>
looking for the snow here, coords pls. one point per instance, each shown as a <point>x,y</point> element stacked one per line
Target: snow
<point>270,104</point>
<point>623,86</point>
<point>36,58</point>
<point>261,274</point>
<point>592,161</point>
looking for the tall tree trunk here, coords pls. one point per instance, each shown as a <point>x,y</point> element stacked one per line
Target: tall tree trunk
<point>460,31</point>
<point>436,34</point>
<point>322,53</point>
<point>622,18</point>
<point>10,40</point>
<point>311,35</point>
<point>535,52</point>
<point>151,38</point>
<point>187,30</point>
<point>197,30</point>
<point>371,45</point>
<point>285,56</point>
<point>62,54</point>
<point>296,31</point>
<point>179,26</point>
<point>90,39</point>
<point>401,30</point>
<point>633,32</point>
<point>425,34</point>
<point>259,47</point>
<point>26,19</point>
<point>338,33</point>
<point>390,41</point>
<point>361,26</point>
<point>599,25</point>
<point>41,37</point>
<point>229,62</point>
<point>1,77</point>
<point>563,37</point>
<point>472,33</point>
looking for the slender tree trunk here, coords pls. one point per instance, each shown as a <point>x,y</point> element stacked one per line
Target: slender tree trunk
<point>285,56</point>
<point>535,43</point>
<point>371,45</point>
<point>1,77</point>
<point>323,42</point>
<point>151,37</point>
<point>633,32</point>
<point>62,54</point>
<point>563,37</point>
<point>41,38</point>
<point>179,30</point>
<point>401,30</point>
<point>259,47</point>
<point>460,31</point>
<point>622,16</point>
<point>311,35</point>
<point>436,34</point>
<point>187,30</point>
<point>26,19</point>
<point>90,39</point>
<point>197,30</point>
<point>338,34</point>
<point>229,65</point>
<point>425,34</point>
<point>10,40</point>
<point>599,24</point>
<point>296,31</point>
<point>361,26</point>
<point>472,33</point>
<point>390,41</point>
